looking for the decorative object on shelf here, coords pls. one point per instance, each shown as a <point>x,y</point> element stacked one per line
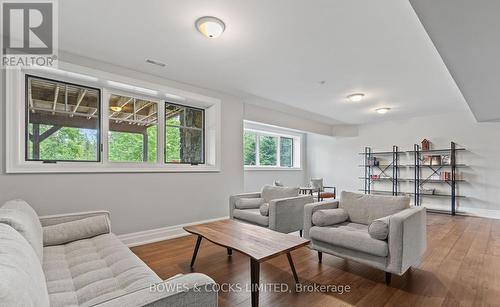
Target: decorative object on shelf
<point>374,177</point>
<point>428,191</point>
<point>436,160</point>
<point>445,159</point>
<point>372,161</point>
<point>446,176</point>
<point>426,145</point>
<point>427,160</point>
<point>435,177</point>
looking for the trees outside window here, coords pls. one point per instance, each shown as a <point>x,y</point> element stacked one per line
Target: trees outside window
<point>261,149</point>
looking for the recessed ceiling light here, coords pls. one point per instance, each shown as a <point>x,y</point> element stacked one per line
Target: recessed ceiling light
<point>149,61</point>
<point>355,97</point>
<point>211,27</point>
<point>382,110</point>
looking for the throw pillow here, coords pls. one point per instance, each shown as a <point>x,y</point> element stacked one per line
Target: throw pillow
<point>329,217</point>
<point>248,203</point>
<point>264,209</point>
<point>379,228</point>
<point>75,230</point>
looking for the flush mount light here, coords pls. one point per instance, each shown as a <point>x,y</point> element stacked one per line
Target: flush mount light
<point>115,108</point>
<point>382,110</point>
<point>211,27</point>
<point>355,97</point>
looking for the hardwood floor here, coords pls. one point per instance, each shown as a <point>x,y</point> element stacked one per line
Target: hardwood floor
<point>461,267</point>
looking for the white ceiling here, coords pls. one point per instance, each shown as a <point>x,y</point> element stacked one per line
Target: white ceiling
<point>278,50</point>
<point>466,35</point>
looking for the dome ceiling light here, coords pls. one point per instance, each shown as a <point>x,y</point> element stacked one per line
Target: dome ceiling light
<point>355,97</point>
<point>211,27</point>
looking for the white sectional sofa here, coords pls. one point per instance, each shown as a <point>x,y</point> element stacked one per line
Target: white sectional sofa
<point>75,260</point>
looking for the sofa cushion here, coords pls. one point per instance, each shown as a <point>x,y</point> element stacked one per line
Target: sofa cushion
<point>329,217</point>
<point>248,203</point>
<point>251,216</point>
<point>22,282</point>
<point>20,216</point>
<point>270,192</point>
<point>89,271</point>
<point>350,235</point>
<point>364,208</point>
<point>379,228</point>
<point>75,230</point>
<point>264,209</point>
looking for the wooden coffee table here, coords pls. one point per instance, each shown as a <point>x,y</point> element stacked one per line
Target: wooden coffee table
<point>258,243</point>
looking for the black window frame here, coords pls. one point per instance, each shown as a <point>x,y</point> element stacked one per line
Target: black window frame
<point>203,153</point>
<point>26,121</point>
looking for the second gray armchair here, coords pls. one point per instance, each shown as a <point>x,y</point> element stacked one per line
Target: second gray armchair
<point>277,208</point>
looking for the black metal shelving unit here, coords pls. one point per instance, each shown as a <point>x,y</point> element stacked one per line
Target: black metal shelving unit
<point>418,179</point>
<point>382,169</point>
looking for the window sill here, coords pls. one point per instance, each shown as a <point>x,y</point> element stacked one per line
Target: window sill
<point>271,168</point>
<point>62,167</point>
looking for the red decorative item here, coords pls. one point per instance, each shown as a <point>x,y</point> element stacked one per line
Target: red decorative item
<point>426,145</point>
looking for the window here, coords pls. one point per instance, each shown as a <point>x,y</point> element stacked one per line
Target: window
<point>95,121</point>
<point>286,152</point>
<point>184,135</point>
<point>133,129</point>
<point>62,121</point>
<point>267,149</point>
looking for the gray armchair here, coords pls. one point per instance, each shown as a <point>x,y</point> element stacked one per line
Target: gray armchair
<point>380,231</point>
<point>277,208</point>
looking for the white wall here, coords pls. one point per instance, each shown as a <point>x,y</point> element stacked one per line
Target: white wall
<point>137,201</point>
<point>336,158</point>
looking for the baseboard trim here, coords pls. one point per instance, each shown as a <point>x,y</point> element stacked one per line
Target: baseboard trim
<point>159,234</point>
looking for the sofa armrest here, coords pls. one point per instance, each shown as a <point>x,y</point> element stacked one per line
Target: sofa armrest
<point>286,214</point>
<point>309,209</point>
<point>407,239</point>
<point>234,198</point>
<point>193,289</point>
<point>49,220</point>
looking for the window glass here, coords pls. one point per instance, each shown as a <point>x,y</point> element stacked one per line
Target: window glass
<point>250,148</point>
<point>286,152</point>
<point>268,150</point>
<point>184,135</point>
<point>63,121</point>
<point>133,128</point>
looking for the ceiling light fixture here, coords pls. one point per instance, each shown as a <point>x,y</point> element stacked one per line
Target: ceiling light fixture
<point>382,110</point>
<point>355,97</point>
<point>115,108</point>
<point>211,27</point>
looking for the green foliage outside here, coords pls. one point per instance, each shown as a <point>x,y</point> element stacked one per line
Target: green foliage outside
<point>286,152</point>
<point>128,147</point>
<point>267,150</point>
<point>249,148</point>
<point>66,144</point>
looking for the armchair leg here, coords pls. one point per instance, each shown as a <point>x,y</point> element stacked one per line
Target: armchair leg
<point>320,257</point>
<point>388,277</point>
<point>300,233</point>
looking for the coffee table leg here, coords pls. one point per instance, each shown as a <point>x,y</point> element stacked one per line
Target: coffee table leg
<point>229,251</point>
<point>290,261</point>
<point>195,252</point>
<point>254,281</point>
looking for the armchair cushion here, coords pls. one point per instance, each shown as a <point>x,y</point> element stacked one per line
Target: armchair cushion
<point>271,193</point>
<point>249,203</point>
<point>363,208</point>
<point>379,228</point>
<point>22,282</point>
<point>75,230</point>
<point>19,215</point>
<point>264,209</point>
<point>329,217</point>
<point>351,236</point>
